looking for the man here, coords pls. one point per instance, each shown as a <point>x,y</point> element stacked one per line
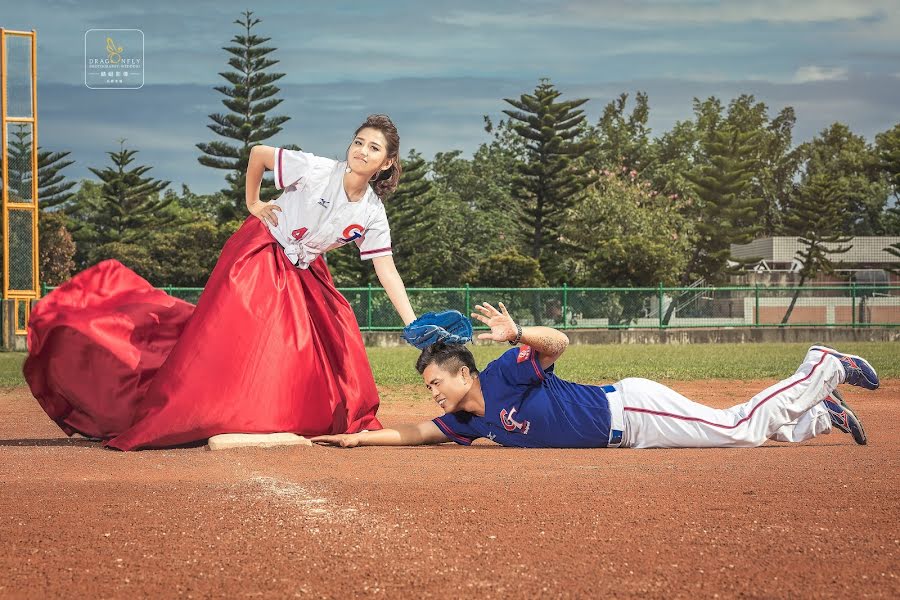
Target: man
<point>517,400</point>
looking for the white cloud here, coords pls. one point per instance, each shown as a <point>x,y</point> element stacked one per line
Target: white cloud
<point>613,14</point>
<point>433,114</point>
<point>813,73</point>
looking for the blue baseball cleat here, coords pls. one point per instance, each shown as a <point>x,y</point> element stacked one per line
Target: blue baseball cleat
<point>857,370</point>
<point>843,417</point>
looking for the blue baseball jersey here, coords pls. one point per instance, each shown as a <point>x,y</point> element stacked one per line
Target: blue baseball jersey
<point>529,407</point>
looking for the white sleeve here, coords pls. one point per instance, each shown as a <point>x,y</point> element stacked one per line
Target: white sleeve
<point>293,165</point>
<point>376,241</point>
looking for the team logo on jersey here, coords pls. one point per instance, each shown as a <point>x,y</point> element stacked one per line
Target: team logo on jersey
<point>351,233</point>
<point>524,354</point>
<point>510,424</point>
<point>298,234</point>
<point>323,202</point>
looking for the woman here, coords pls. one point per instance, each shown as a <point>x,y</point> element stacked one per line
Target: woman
<point>271,345</point>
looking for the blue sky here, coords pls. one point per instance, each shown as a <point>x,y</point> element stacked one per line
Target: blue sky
<point>436,68</point>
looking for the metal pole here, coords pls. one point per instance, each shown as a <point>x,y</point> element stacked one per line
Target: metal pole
<point>5,160</point>
<point>35,246</point>
<point>661,312</point>
<point>369,309</point>
<point>756,312</point>
<point>565,306</point>
<point>468,302</point>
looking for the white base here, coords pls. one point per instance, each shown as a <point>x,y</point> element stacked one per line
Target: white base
<point>227,441</point>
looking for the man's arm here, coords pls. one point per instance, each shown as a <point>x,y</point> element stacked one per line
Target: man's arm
<point>419,434</point>
<point>549,343</point>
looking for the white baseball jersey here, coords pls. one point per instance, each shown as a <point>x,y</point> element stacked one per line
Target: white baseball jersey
<point>316,213</point>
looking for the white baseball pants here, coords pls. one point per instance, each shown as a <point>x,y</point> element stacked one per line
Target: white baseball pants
<point>655,416</point>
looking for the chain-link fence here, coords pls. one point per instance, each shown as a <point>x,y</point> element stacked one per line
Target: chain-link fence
<point>18,166</point>
<point>662,308</point>
<point>21,250</point>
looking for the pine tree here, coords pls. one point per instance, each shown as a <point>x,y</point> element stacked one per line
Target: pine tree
<point>888,145</point>
<point>838,153</point>
<point>723,212</point>
<point>623,140</point>
<point>128,206</point>
<point>56,246</point>
<point>54,190</point>
<point>470,214</point>
<point>552,176</point>
<point>816,215</point>
<point>19,178</point>
<point>407,205</point>
<point>406,208</point>
<point>894,249</point>
<point>249,97</point>
<point>888,148</point>
<point>726,214</point>
<point>19,172</point>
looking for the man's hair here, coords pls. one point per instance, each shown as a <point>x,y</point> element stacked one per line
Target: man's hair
<point>450,357</point>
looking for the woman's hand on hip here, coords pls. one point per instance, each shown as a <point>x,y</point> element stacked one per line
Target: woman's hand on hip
<point>265,212</point>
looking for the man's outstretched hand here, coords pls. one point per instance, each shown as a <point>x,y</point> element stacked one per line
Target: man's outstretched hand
<point>503,328</point>
<point>342,440</point>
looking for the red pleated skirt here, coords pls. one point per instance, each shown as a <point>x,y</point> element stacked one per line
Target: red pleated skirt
<point>268,348</point>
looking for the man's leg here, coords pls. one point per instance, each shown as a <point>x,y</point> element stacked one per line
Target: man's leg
<point>659,417</point>
<point>831,413</point>
<point>815,421</point>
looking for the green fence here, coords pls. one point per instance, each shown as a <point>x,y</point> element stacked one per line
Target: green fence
<point>620,308</point>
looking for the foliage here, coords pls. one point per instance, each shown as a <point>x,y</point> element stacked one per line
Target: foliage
<point>507,269</point>
<point>620,140</point>
<point>125,207</point>
<point>57,249</point>
<point>248,97</point>
<point>724,212</point>
<point>552,175</point>
<point>624,234</point>
<point>853,165</point>
<point>815,216</point>
<point>887,148</point>
<point>547,199</point>
<point>54,190</point>
<point>405,208</point>
<point>445,216</point>
<point>773,164</point>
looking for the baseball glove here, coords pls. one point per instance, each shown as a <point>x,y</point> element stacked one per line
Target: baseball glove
<point>449,326</point>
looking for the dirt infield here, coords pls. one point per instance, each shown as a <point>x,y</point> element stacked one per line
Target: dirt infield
<point>812,520</point>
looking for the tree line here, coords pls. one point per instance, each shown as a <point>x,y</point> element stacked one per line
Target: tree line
<point>548,198</point>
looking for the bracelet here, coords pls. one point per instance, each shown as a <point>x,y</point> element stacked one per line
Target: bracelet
<point>518,339</point>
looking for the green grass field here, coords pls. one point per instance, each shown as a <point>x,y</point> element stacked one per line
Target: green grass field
<point>607,363</point>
